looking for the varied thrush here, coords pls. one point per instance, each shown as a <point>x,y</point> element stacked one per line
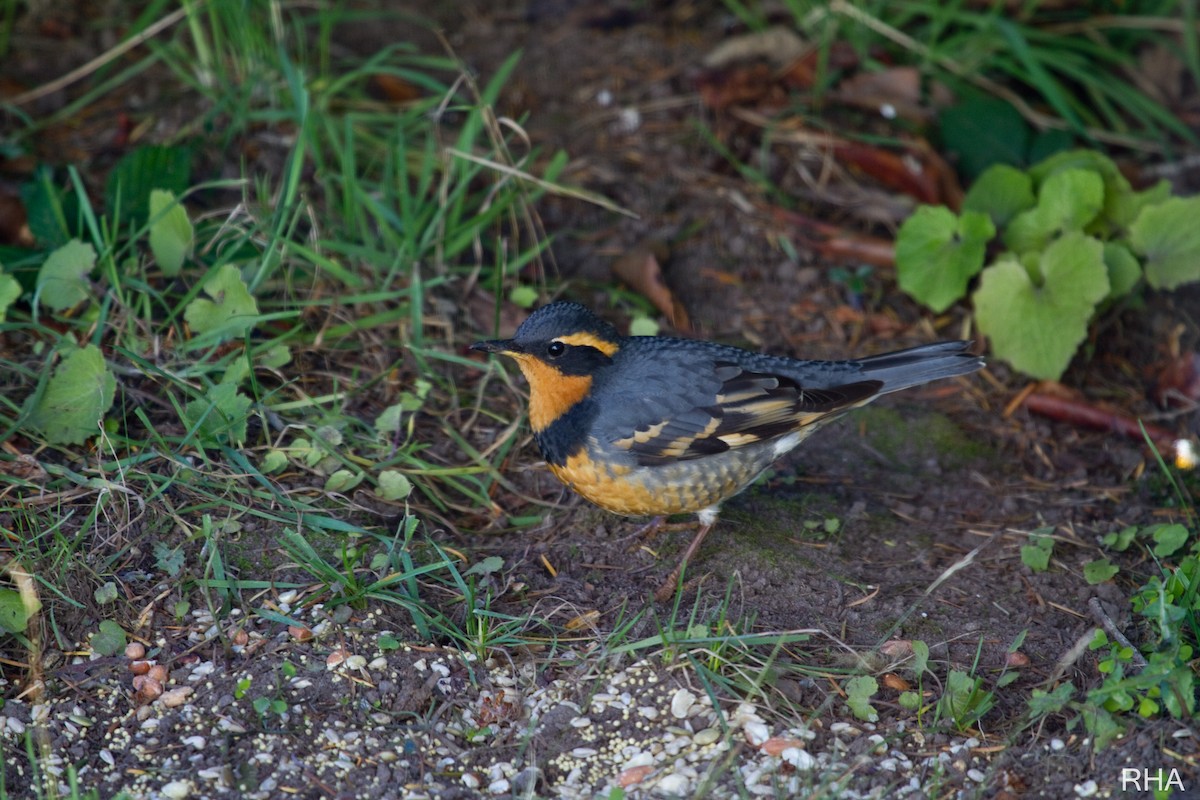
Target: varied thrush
<point>650,425</point>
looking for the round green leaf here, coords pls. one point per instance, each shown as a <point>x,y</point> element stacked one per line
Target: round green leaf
<point>937,253</point>
<point>1001,192</point>
<point>1099,571</point>
<point>76,398</point>
<point>343,480</point>
<point>1038,328</point>
<point>62,280</point>
<point>393,485</point>
<point>1168,237</point>
<point>1067,201</point>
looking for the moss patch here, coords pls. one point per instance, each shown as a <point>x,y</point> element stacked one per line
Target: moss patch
<point>915,439</point>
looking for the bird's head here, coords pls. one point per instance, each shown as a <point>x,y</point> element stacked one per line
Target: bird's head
<point>559,348</point>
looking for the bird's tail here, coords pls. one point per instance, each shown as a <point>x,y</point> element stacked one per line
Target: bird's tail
<point>918,365</point>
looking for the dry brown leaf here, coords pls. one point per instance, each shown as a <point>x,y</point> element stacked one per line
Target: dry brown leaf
<point>640,269</point>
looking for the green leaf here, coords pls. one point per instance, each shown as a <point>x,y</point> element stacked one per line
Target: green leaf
<point>171,232</point>
<point>1001,192</point>
<point>1168,539</point>
<point>920,661</point>
<point>232,310</point>
<point>1067,201</point>
<point>859,691</point>
<point>1124,271</point>
<point>168,559</point>
<point>274,461</point>
<point>1168,237</point>
<point>48,208</point>
<point>523,296</point>
<point>1120,540</point>
<point>1035,558</point>
<point>1038,328</point>
<point>237,371</point>
<point>220,416</point>
<point>1099,571</point>
<point>106,594</point>
<point>109,640</point>
<point>14,614</point>
<point>909,700</point>
<point>1121,203</point>
<point>76,398</point>
<point>388,423</point>
<point>1036,554</point>
<point>1122,208</point>
<point>642,325</point>
<point>277,356</point>
<point>393,485</point>
<point>343,480</point>
<point>10,290</point>
<point>488,566</point>
<point>1042,702</point>
<point>62,281</point>
<point>984,131</point>
<point>127,192</point>
<point>937,253</point>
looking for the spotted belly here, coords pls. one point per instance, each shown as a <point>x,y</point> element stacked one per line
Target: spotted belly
<point>677,488</point>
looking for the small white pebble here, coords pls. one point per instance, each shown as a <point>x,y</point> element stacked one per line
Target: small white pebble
<point>800,759</point>
<point>499,787</point>
<point>681,701</point>
<point>671,784</point>
<point>194,742</point>
<point>975,775</point>
<point>1086,789</point>
<point>707,736</point>
<point>470,780</point>
<point>757,733</point>
<point>176,790</point>
<point>1057,744</point>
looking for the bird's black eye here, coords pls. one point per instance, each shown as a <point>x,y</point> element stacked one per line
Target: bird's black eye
<point>556,349</point>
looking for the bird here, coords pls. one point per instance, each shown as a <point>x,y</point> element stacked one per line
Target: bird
<point>658,426</point>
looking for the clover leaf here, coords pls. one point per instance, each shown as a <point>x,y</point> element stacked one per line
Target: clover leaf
<point>1168,237</point>
<point>937,253</point>
<point>1036,321</point>
<point>1067,201</point>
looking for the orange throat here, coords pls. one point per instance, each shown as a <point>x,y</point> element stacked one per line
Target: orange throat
<point>551,394</point>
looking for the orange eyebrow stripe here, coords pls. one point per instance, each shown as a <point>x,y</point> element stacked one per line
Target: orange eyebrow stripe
<point>585,339</point>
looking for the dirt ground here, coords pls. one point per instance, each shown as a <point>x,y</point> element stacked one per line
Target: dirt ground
<point>923,482</point>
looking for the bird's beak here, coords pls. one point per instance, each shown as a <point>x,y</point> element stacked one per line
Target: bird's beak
<point>503,346</point>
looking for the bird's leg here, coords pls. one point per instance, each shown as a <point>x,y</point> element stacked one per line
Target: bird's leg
<point>667,588</point>
<point>653,528</point>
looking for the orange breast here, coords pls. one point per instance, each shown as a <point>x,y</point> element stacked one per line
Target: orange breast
<point>680,488</point>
